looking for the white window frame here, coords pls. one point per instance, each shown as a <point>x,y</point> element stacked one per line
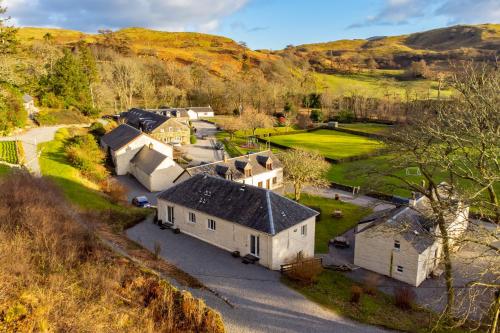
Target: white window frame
<point>400,269</point>
<point>211,223</point>
<point>397,245</point>
<point>170,214</point>
<point>192,217</point>
<point>303,230</point>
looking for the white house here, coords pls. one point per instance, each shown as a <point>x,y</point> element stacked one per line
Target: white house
<point>403,243</point>
<point>198,112</point>
<point>29,105</point>
<point>262,169</point>
<point>239,217</point>
<point>150,161</point>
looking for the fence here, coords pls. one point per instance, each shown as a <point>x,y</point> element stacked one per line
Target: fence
<point>288,267</point>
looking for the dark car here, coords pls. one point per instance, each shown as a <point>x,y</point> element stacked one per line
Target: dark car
<point>340,242</point>
<point>141,201</point>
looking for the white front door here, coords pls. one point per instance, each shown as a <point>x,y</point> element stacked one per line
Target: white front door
<point>254,245</point>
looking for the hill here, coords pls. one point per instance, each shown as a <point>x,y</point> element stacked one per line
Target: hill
<point>437,47</point>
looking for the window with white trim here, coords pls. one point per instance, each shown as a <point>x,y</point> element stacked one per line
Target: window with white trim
<point>303,230</point>
<point>397,245</point>
<point>400,269</point>
<point>211,224</point>
<point>192,217</point>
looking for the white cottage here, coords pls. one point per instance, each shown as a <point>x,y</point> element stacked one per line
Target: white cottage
<point>147,159</point>
<point>402,243</point>
<point>262,169</point>
<point>198,112</point>
<point>238,217</point>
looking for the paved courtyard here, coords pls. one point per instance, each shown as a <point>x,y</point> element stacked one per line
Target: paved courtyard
<point>204,149</point>
<point>261,302</point>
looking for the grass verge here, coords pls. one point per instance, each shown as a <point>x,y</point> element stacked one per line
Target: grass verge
<point>333,291</point>
<point>327,226</point>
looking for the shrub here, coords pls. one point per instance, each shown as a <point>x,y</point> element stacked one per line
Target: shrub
<point>192,139</point>
<point>84,154</point>
<point>345,116</point>
<point>370,284</point>
<point>316,115</point>
<point>90,111</point>
<point>404,297</point>
<point>116,191</point>
<point>356,292</point>
<point>305,271</point>
<point>97,129</point>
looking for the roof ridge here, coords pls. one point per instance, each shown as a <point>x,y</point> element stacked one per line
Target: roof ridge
<point>227,160</point>
<point>270,213</point>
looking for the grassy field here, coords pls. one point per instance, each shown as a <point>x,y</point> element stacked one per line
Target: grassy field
<point>8,152</point>
<point>80,191</point>
<point>369,128</point>
<point>4,170</point>
<point>378,84</point>
<point>327,226</point>
<point>47,117</point>
<point>332,144</point>
<point>235,147</point>
<point>333,291</point>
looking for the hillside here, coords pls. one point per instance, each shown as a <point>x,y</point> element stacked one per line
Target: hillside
<point>436,47</point>
<point>216,53</point>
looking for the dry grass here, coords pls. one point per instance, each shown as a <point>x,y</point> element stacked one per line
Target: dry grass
<point>305,271</point>
<point>55,276</point>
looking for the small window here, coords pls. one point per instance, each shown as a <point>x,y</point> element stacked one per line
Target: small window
<point>303,230</point>
<point>269,166</point>
<point>397,245</point>
<point>275,180</point>
<point>170,129</point>
<point>211,224</point>
<point>400,269</point>
<point>248,173</point>
<point>192,217</point>
<point>259,184</point>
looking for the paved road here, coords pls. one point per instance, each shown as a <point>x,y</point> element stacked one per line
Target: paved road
<point>203,150</point>
<point>31,138</point>
<point>262,303</point>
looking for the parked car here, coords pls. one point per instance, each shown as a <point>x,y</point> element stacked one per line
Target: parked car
<point>141,201</point>
<point>340,242</point>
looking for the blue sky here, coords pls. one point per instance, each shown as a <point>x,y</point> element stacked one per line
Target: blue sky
<point>269,24</point>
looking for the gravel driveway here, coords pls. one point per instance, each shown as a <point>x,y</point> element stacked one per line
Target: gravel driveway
<point>261,302</point>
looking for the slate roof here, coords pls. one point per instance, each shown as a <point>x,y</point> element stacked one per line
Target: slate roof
<point>120,136</point>
<point>171,112</point>
<point>148,159</point>
<point>144,120</point>
<point>247,205</point>
<point>412,225</point>
<point>235,166</point>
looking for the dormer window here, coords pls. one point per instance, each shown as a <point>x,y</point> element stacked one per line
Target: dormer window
<point>248,172</point>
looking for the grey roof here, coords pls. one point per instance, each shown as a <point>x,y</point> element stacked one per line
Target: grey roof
<point>235,166</point>
<point>250,206</point>
<point>148,159</point>
<point>120,136</point>
<point>144,120</point>
<point>171,112</point>
<point>412,225</point>
<point>27,98</point>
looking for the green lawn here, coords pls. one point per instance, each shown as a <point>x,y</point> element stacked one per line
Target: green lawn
<point>327,226</point>
<point>378,84</point>
<point>8,152</point>
<point>4,170</point>
<point>77,189</point>
<point>333,291</point>
<point>370,128</point>
<point>235,147</point>
<point>329,143</point>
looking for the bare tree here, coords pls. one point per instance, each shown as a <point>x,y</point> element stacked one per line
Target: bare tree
<point>126,79</point>
<point>303,168</point>
<point>252,119</point>
<point>231,125</point>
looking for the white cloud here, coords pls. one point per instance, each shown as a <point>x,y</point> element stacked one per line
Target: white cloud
<point>397,12</point>
<point>91,15</point>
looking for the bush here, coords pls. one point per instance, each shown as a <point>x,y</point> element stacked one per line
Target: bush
<point>316,115</point>
<point>356,292</point>
<point>370,284</point>
<point>12,112</point>
<point>305,271</point>
<point>84,154</point>
<point>116,191</point>
<point>192,139</point>
<point>90,111</point>
<point>97,129</point>
<point>345,116</point>
<point>404,297</point>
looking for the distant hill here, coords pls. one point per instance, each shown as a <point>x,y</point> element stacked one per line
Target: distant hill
<point>437,47</point>
<point>214,52</point>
